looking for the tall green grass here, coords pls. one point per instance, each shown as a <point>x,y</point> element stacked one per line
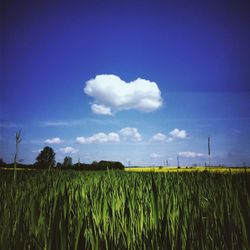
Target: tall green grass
<point>119,210</point>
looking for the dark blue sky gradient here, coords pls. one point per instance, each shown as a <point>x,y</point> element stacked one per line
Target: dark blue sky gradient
<point>51,48</point>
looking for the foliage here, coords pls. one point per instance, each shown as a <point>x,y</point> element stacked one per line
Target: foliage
<point>67,162</point>
<point>2,163</point>
<point>59,165</point>
<point>101,165</point>
<point>123,210</point>
<point>46,158</point>
<point>110,165</point>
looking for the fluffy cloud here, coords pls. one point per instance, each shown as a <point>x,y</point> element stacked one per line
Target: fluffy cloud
<point>131,134</point>
<point>112,94</point>
<point>155,156</point>
<point>99,138</point>
<point>159,137</point>
<point>177,133</point>
<point>68,150</point>
<point>101,109</point>
<point>189,154</point>
<point>55,140</point>
<point>174,134</point>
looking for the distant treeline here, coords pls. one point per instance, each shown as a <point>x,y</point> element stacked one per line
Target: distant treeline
<point>46,160</point>
<point>101,165</point>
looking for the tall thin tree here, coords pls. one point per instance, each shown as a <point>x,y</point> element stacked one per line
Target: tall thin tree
<point>18,140</point>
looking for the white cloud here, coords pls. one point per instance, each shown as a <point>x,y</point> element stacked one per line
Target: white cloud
<point>68,150</point>
<point>55,140</point>
<point>111,94</point>
<point>75,122</point>
<point>174,134</point>
<point>159,137</point>
<point>99,138</point>
<point>130,134</point>
<point>189,154</point>
<point>177,133</point>
<point>101,109</point>
<point>155,156</point>
<point>37,151</point>
<point>54,124</point>
<point>170,139</point>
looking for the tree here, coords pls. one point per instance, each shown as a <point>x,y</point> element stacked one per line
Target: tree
<point>67,162</point>
<point>110,165</point>
<point>2,163</point>
<point>104,165</point>
<point>94,163</point>
<point>46,158</point>
<point>59,165</point>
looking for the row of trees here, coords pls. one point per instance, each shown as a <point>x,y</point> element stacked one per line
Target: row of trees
<point>46,160</point>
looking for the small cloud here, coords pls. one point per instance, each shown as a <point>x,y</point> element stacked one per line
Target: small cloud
<point>55,124</point>
<point>81,140</point>
<point>189,154</point>
<point>159,137</point>
<point>68,150</point>
<point>99,138</point>
<point>170,139</point>
<point>37,151</point>
<point>112,94</point>
<point>55,140</point>
<point>177,133</point>
<point>155,156</point>
<point>101,109</point>
<point>131,134</point>
<point>68,123</point>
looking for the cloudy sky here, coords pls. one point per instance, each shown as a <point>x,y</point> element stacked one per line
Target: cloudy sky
<point>132,81</point>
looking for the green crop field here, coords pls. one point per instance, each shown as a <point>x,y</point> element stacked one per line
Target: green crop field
<point>124,210</point>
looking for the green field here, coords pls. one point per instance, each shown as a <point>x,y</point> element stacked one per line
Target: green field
<point>124,210</point>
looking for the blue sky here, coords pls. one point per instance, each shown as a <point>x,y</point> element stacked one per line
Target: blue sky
<point>128,81</point>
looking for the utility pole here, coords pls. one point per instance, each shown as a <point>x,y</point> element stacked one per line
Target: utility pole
<point>18,140</point>
<point>178,161</point>
<point>79,162</point>
<point>209,151</point>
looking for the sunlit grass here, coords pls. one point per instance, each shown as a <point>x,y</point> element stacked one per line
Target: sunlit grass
<point>124,210</point>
